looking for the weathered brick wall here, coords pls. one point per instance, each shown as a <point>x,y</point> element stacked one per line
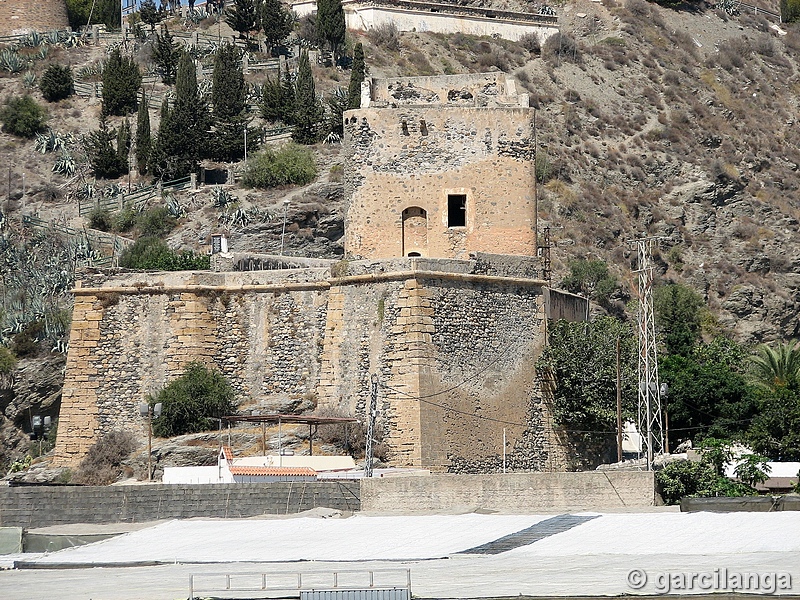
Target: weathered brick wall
<point>41,506</point>
<point>413,157</point>
<point>452,343</point>
<point>18,16</point>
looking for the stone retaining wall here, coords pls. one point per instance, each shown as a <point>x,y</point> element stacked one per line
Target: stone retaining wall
<point>41,506</point>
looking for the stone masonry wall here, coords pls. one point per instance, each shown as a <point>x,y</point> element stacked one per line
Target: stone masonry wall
<point>413,157</point>
<point>20,16</point>
<point>452,348</point>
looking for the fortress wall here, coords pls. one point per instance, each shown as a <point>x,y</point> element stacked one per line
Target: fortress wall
<point>292,339</point>
<point>419,157</point>
<point>21,16</point>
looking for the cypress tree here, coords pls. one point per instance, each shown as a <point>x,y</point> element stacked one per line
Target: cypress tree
<point>166,53</point>
<point>142,135</point>
<point>271,106</point>
<point>124,144</point>
<point>331,24</point>
<point>308,112</point>
<point>177,149</point>
<point>121,81</point>
<point>228,97</point>
<point>275,21</point>
<point>287,86</point>
<point>357,75</point>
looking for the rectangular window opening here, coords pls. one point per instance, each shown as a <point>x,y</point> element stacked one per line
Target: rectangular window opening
<point>456,210</point>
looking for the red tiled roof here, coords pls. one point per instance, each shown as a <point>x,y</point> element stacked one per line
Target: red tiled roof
<point>226,450</point>
<point>274,471</point>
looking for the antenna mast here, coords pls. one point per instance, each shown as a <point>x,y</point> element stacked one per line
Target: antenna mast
<point>649,413</point>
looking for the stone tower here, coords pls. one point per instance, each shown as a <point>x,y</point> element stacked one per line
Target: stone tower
<point>21,16</point>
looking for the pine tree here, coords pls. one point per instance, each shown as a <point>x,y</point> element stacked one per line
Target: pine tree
<point>331,24</point>
<point>357,76</point>
<point>149,13</point>
<point>142,135</point>
<point>242,17</point>
<point>57,83</point>
<point>308,112</point>
<point>275,21</point>
<point>166,53</point>
<point>121,81</point>
<point>228,97</point>
<point>103,157</point>
<point>337,104</point>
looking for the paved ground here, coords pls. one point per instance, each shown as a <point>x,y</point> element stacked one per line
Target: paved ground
<point>607,555</point>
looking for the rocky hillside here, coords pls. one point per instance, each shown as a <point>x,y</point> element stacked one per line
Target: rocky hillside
<point>680,124</point>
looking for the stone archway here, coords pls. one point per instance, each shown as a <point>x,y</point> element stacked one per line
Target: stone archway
<point>415,231</point>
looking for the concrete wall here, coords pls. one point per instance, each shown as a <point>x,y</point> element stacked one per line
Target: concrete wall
<point>400,160</point>
<point>41,506</point>
<point>513,492</point>
<point>452,343</point>
<point>439,18</point>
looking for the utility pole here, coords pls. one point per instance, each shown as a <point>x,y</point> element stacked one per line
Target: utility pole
<point>619,408</point>
<point>649,413</point>
<point>373,406</point>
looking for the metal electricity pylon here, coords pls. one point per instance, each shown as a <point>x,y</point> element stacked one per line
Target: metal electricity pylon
<point>651,427</point>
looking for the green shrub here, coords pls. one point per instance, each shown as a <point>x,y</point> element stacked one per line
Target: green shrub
<point>289,164</point>
<point>103,463</point>
<point>156,222</point>
<point>150,253</point>
<point>57,83</point>
<point>8,362</point>
<point>121,81</point>
<point>23,117</point>
<point>28,341</point>
<point>193,402</point>
<point>124,220</point>
<point>100,219</point>
<point>687,478</point>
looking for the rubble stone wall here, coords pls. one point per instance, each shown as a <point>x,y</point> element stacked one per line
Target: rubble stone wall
<point>452,345</point>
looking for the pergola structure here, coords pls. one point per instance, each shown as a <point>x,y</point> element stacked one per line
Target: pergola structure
<point>312,421</point>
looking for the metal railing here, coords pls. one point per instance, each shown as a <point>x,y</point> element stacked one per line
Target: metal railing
<point>136,199</point>
<point>291,584</point>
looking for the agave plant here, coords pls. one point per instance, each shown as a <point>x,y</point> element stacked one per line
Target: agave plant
<point>52,141</point>
<point>85,191</point>
<point>173,206</point>
<point>71,40</point>
<point>29,80</point>
<point>221,197</point>
<point>65,164</point>
<point>53,37</point>
<point>33,39</point>
<point>10,61</point>
<point>43,53</point>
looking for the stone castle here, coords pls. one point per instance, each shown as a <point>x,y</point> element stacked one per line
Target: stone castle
<point>441,297</point>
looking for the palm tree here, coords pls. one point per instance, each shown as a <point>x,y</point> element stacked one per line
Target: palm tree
<point>776,367</point>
